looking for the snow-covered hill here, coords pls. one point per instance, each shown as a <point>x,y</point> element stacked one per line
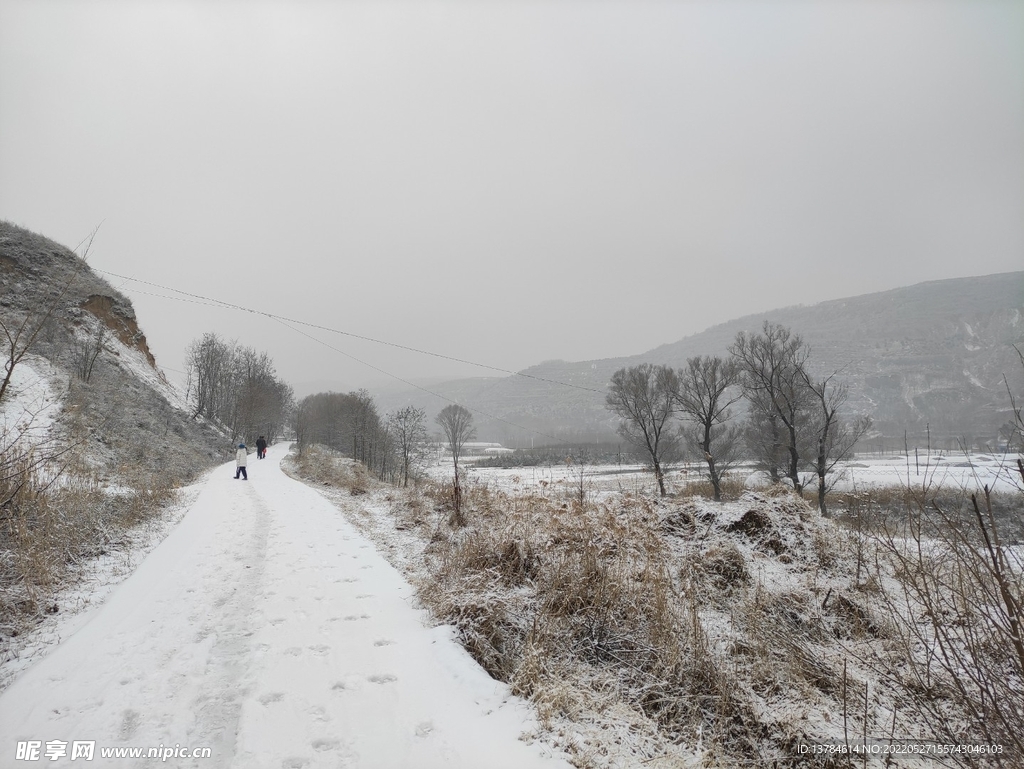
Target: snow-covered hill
<point>119,407</point>
<point>932,355</point>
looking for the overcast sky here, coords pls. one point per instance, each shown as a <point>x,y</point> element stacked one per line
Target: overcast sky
<point>510,182</point>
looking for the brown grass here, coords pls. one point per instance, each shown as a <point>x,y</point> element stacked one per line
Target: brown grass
<point>683,632</point>
<point>330,468</point>
<point>54,519</point>
<point>732,488</point>
<point>582,609</point>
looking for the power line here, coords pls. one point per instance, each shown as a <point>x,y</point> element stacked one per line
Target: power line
<point>211,302</point>
<point>474,409</point>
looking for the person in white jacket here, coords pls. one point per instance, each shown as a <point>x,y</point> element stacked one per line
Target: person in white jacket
<point>240,458</point>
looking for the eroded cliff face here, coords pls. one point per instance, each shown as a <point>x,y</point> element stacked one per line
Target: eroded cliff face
<point>112,401</point>
<point>120,319</point>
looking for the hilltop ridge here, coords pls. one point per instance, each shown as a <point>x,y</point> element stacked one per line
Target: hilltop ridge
<point>928,356</point>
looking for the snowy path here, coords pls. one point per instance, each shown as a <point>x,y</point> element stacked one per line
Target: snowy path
<point>267,629</point>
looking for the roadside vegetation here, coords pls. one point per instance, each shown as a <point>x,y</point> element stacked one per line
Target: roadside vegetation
<point>683,632</point>
<point>673,630</point>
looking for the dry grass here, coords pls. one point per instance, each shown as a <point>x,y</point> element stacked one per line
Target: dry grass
<point>52,520</point>
<point>330,468</point>
<point>682,632</point>
<point>587,611</point>
<point>732,488</point>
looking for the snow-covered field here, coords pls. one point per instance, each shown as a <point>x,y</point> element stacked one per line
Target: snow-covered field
<point>950,471</point>
<point>265,628</point>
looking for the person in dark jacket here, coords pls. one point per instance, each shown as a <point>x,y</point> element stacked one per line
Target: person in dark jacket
<point>261,447</point>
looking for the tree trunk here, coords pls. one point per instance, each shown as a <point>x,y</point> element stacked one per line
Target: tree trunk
<point>660,476</point>
<point>821,493</point>
<point>712,470</point>
<point>794,462</point>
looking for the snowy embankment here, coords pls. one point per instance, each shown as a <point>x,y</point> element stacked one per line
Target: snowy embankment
<point>267,629</point>
<point>30,403</point>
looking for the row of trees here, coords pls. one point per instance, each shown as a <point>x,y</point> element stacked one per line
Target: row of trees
<point>793,423</point>
<point>392,446</point>
<point>238,387</point>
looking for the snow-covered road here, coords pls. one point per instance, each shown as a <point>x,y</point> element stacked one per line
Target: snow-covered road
<point>267,629</point>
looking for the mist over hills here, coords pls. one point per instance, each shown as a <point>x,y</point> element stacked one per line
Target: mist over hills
<point>931,356</point>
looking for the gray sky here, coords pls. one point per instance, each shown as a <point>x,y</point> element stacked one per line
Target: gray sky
<point>511,182</point>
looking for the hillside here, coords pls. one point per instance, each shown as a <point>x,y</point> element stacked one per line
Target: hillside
<point>930,355</point>
<point>123,412</point>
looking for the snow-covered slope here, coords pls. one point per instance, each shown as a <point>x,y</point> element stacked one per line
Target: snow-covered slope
<point>107,396</point>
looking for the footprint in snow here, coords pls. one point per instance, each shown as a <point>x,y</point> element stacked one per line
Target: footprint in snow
<point>323,745</point>
<point>320,650</point>
<point>277,621</point>
<point>383,642</point>
<point>129,723</point>
<point>319,713</point>
<point>365,595</point>
<point>424,728</point>
<point>270,697</point>
<point>357,616</point>
<point>382,678</point>
<point>367,566</point>
<point>293,651</point>
<point>294,762</point>
<point>339,686</point>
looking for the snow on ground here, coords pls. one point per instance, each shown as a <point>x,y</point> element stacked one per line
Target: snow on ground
<point>96,579</point>
<point>31,403</point>
<point>268,629</point>
<point>947,470</point>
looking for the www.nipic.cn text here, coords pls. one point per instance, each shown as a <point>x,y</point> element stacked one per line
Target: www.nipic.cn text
<point>86,750</point>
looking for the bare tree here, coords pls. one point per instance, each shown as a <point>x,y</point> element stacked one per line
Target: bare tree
<point>762,438</point>
<point>87,351</point>
<point>576,464</point>
<point>645,398</point>
<point>772,363</point>
<point>409,428</point>
<point>238,387</point>
<point>834,438</point>
<point>457,423</point>
<point>208,363</point>
<point>707,390</point>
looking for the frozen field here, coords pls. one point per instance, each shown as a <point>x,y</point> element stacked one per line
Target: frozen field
<point>952,471</point>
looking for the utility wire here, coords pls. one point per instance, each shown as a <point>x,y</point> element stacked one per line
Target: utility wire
<point>474,409</point>
<point>211,302</point>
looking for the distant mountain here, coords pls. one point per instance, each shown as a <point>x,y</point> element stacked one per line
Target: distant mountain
<point>926,357</point>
